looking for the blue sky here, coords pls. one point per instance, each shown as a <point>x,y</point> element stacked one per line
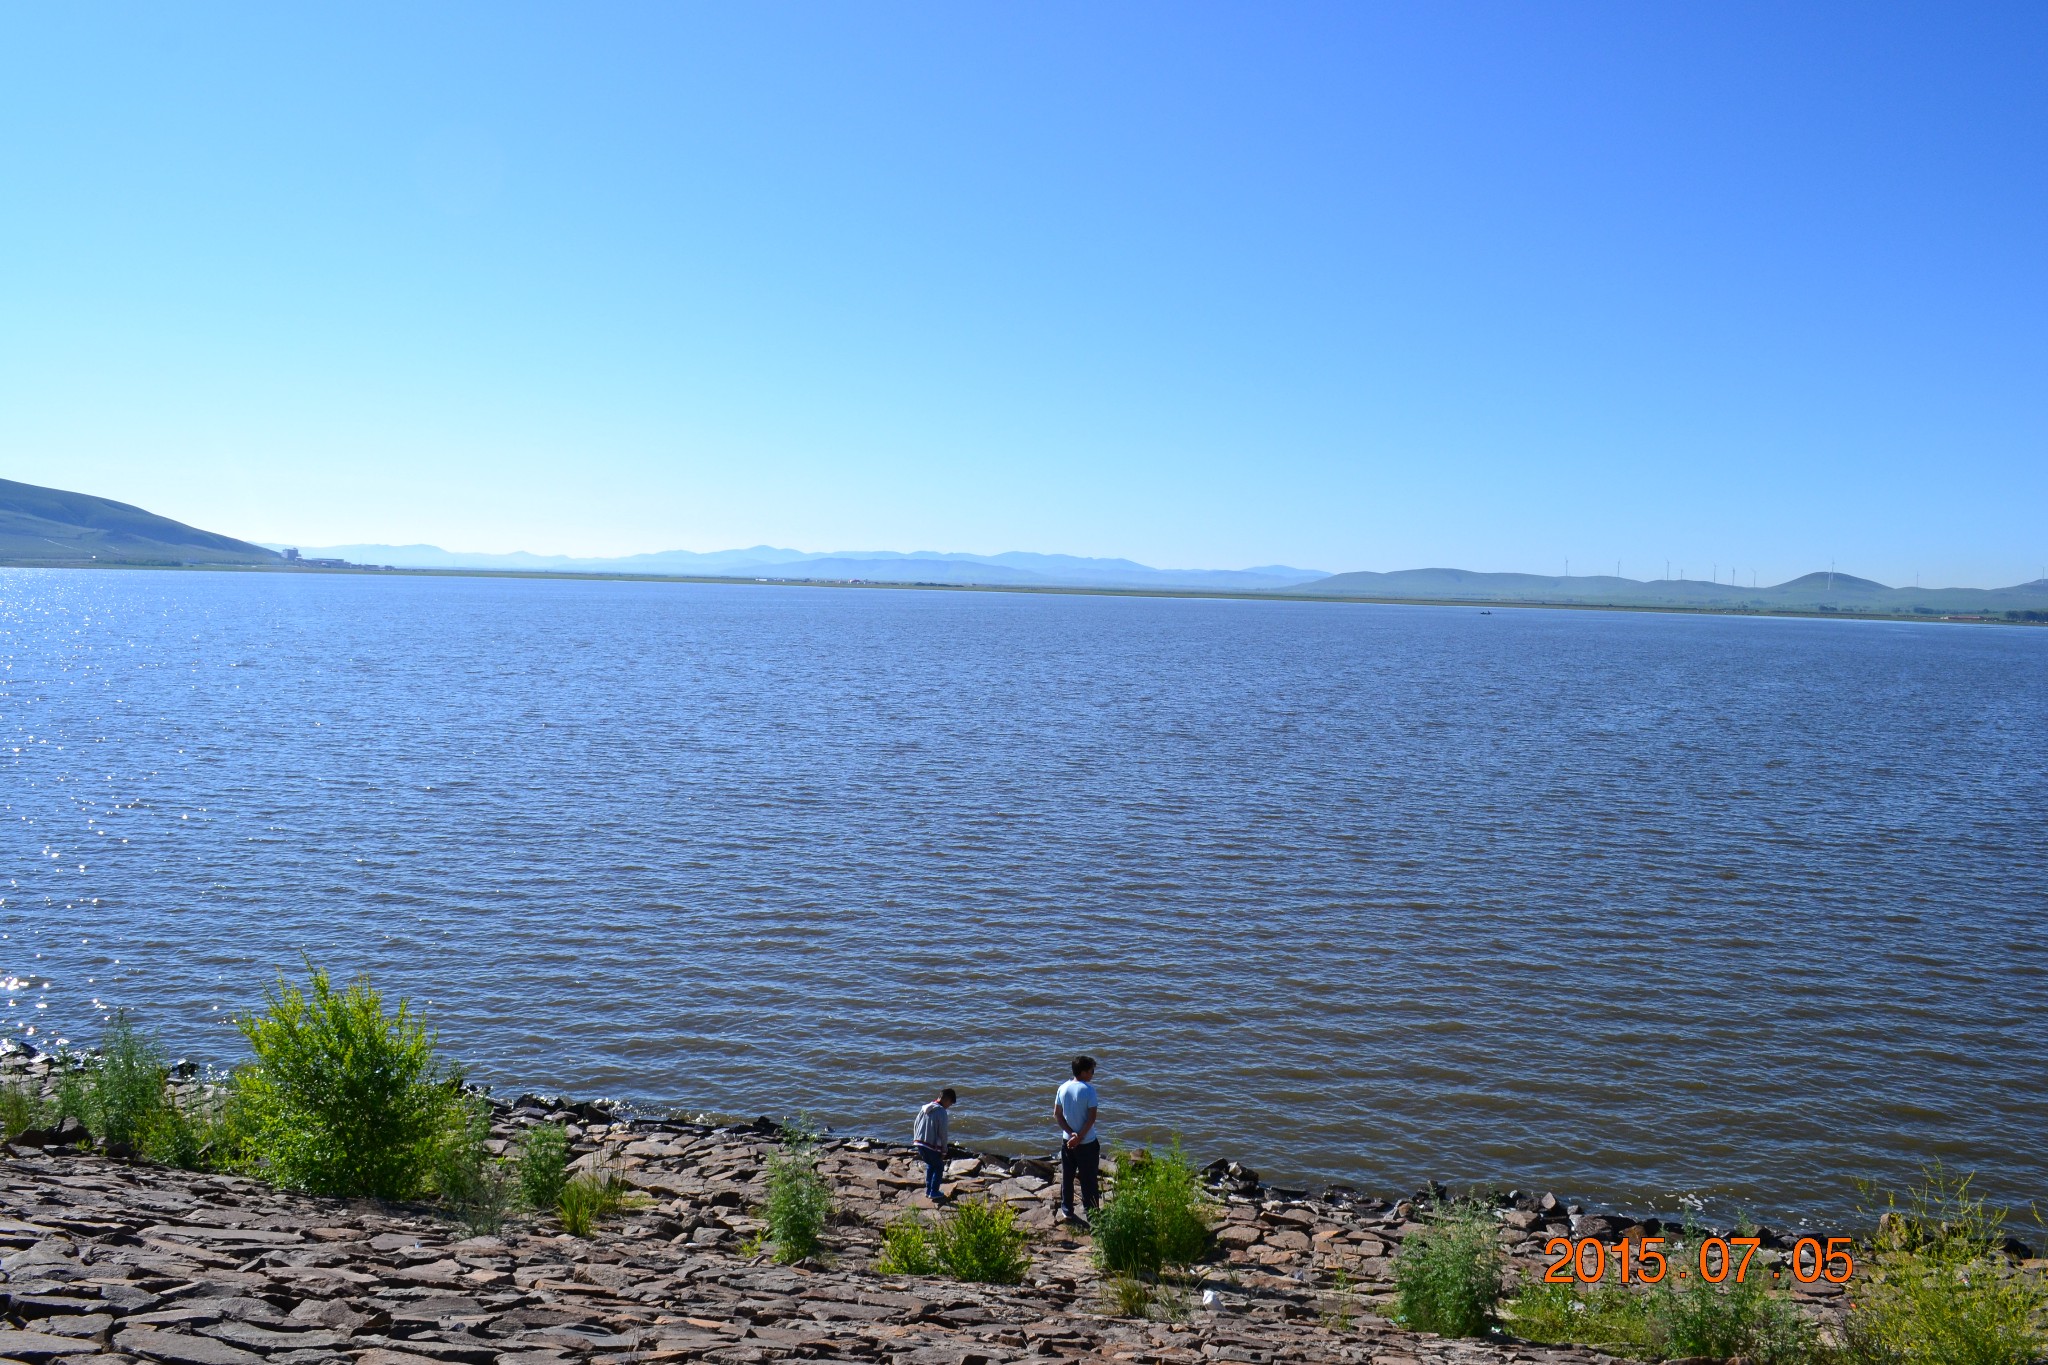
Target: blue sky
<point>1345,286</point>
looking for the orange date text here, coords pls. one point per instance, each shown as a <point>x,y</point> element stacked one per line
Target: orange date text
<point>1590,1260</point>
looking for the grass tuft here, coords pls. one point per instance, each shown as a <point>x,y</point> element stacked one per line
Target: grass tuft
<point>202,1133</point>
<point>1125,1295</point>
<point>584,1200</point>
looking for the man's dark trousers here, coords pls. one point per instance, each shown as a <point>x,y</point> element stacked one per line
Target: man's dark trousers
<point>1086,1162</point>
<point>935,1170</point>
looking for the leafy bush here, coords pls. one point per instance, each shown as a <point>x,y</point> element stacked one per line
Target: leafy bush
<point>544,1165</point>
<point>1936,1290</point>
<point>798,1199</point>
<point>1156,1216</point>
<point>907,1247</point>
<point>1447,1275</point>
<point>343,1098</point>
<point>980,1241</point>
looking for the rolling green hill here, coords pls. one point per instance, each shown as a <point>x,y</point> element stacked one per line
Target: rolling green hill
<point>48,526</point>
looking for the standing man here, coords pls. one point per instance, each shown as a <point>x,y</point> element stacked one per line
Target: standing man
<point>929,1138</point>
<point>1074,1109</point>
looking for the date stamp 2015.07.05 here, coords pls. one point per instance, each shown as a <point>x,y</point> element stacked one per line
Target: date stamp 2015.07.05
<point>1589,1260</point>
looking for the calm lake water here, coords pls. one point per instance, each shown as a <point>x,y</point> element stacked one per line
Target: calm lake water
<point>1625,906</point>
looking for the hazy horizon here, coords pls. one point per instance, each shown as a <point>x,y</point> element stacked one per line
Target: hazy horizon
<point>1721,574</point>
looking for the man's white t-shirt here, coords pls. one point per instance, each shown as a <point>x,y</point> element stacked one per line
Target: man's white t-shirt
<point>1075,1099</point>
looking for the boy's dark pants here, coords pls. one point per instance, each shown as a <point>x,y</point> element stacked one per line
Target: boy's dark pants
<point>1086,1162</point>
<point>934,1170</point>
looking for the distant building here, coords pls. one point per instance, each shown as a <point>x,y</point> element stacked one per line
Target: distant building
<point>291,556</point>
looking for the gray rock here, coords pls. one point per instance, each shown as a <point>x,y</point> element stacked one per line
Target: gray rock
<point>267,1339</point>
<point>381,1356</point>
<point>93,1326</point>
<point>37,1347</point>
<point>176,1348</point>
<point>30,1306</point>
<point>346,1318</point>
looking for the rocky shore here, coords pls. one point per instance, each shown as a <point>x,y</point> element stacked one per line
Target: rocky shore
<point>110,1262</point>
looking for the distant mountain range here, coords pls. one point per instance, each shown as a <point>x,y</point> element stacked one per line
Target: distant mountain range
<point>51,526</point>
<point>1014,569</point>
<point>1823,592</point>
<point>48,526</point>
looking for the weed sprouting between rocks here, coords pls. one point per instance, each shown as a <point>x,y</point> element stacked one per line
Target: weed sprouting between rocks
<point>799,1201</point>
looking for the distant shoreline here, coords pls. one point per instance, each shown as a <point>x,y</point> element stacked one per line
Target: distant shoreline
<point>1053,590</point>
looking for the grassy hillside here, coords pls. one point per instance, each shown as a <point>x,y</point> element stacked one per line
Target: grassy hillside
<point>51,526</point>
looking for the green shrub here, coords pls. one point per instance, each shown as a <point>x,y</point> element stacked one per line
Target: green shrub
<point>907,1247</point>
<point>343,1098</point>
<point>196,1135</point>
<point>123,1087</point>
<point>74,1096</point>
<point>477,1189</point>
<point>118,1093</point>
<point>1936,1289</point>
<point>1447,1275</point>
<point>1745,1318</point>
<point>798,1199</point>
<point>1156,1216</point>
<point>21,1107</point>
<point>543,1165</point>
<point>980,1241</point>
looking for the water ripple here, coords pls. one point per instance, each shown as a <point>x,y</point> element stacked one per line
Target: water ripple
<point>1628,904</point>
